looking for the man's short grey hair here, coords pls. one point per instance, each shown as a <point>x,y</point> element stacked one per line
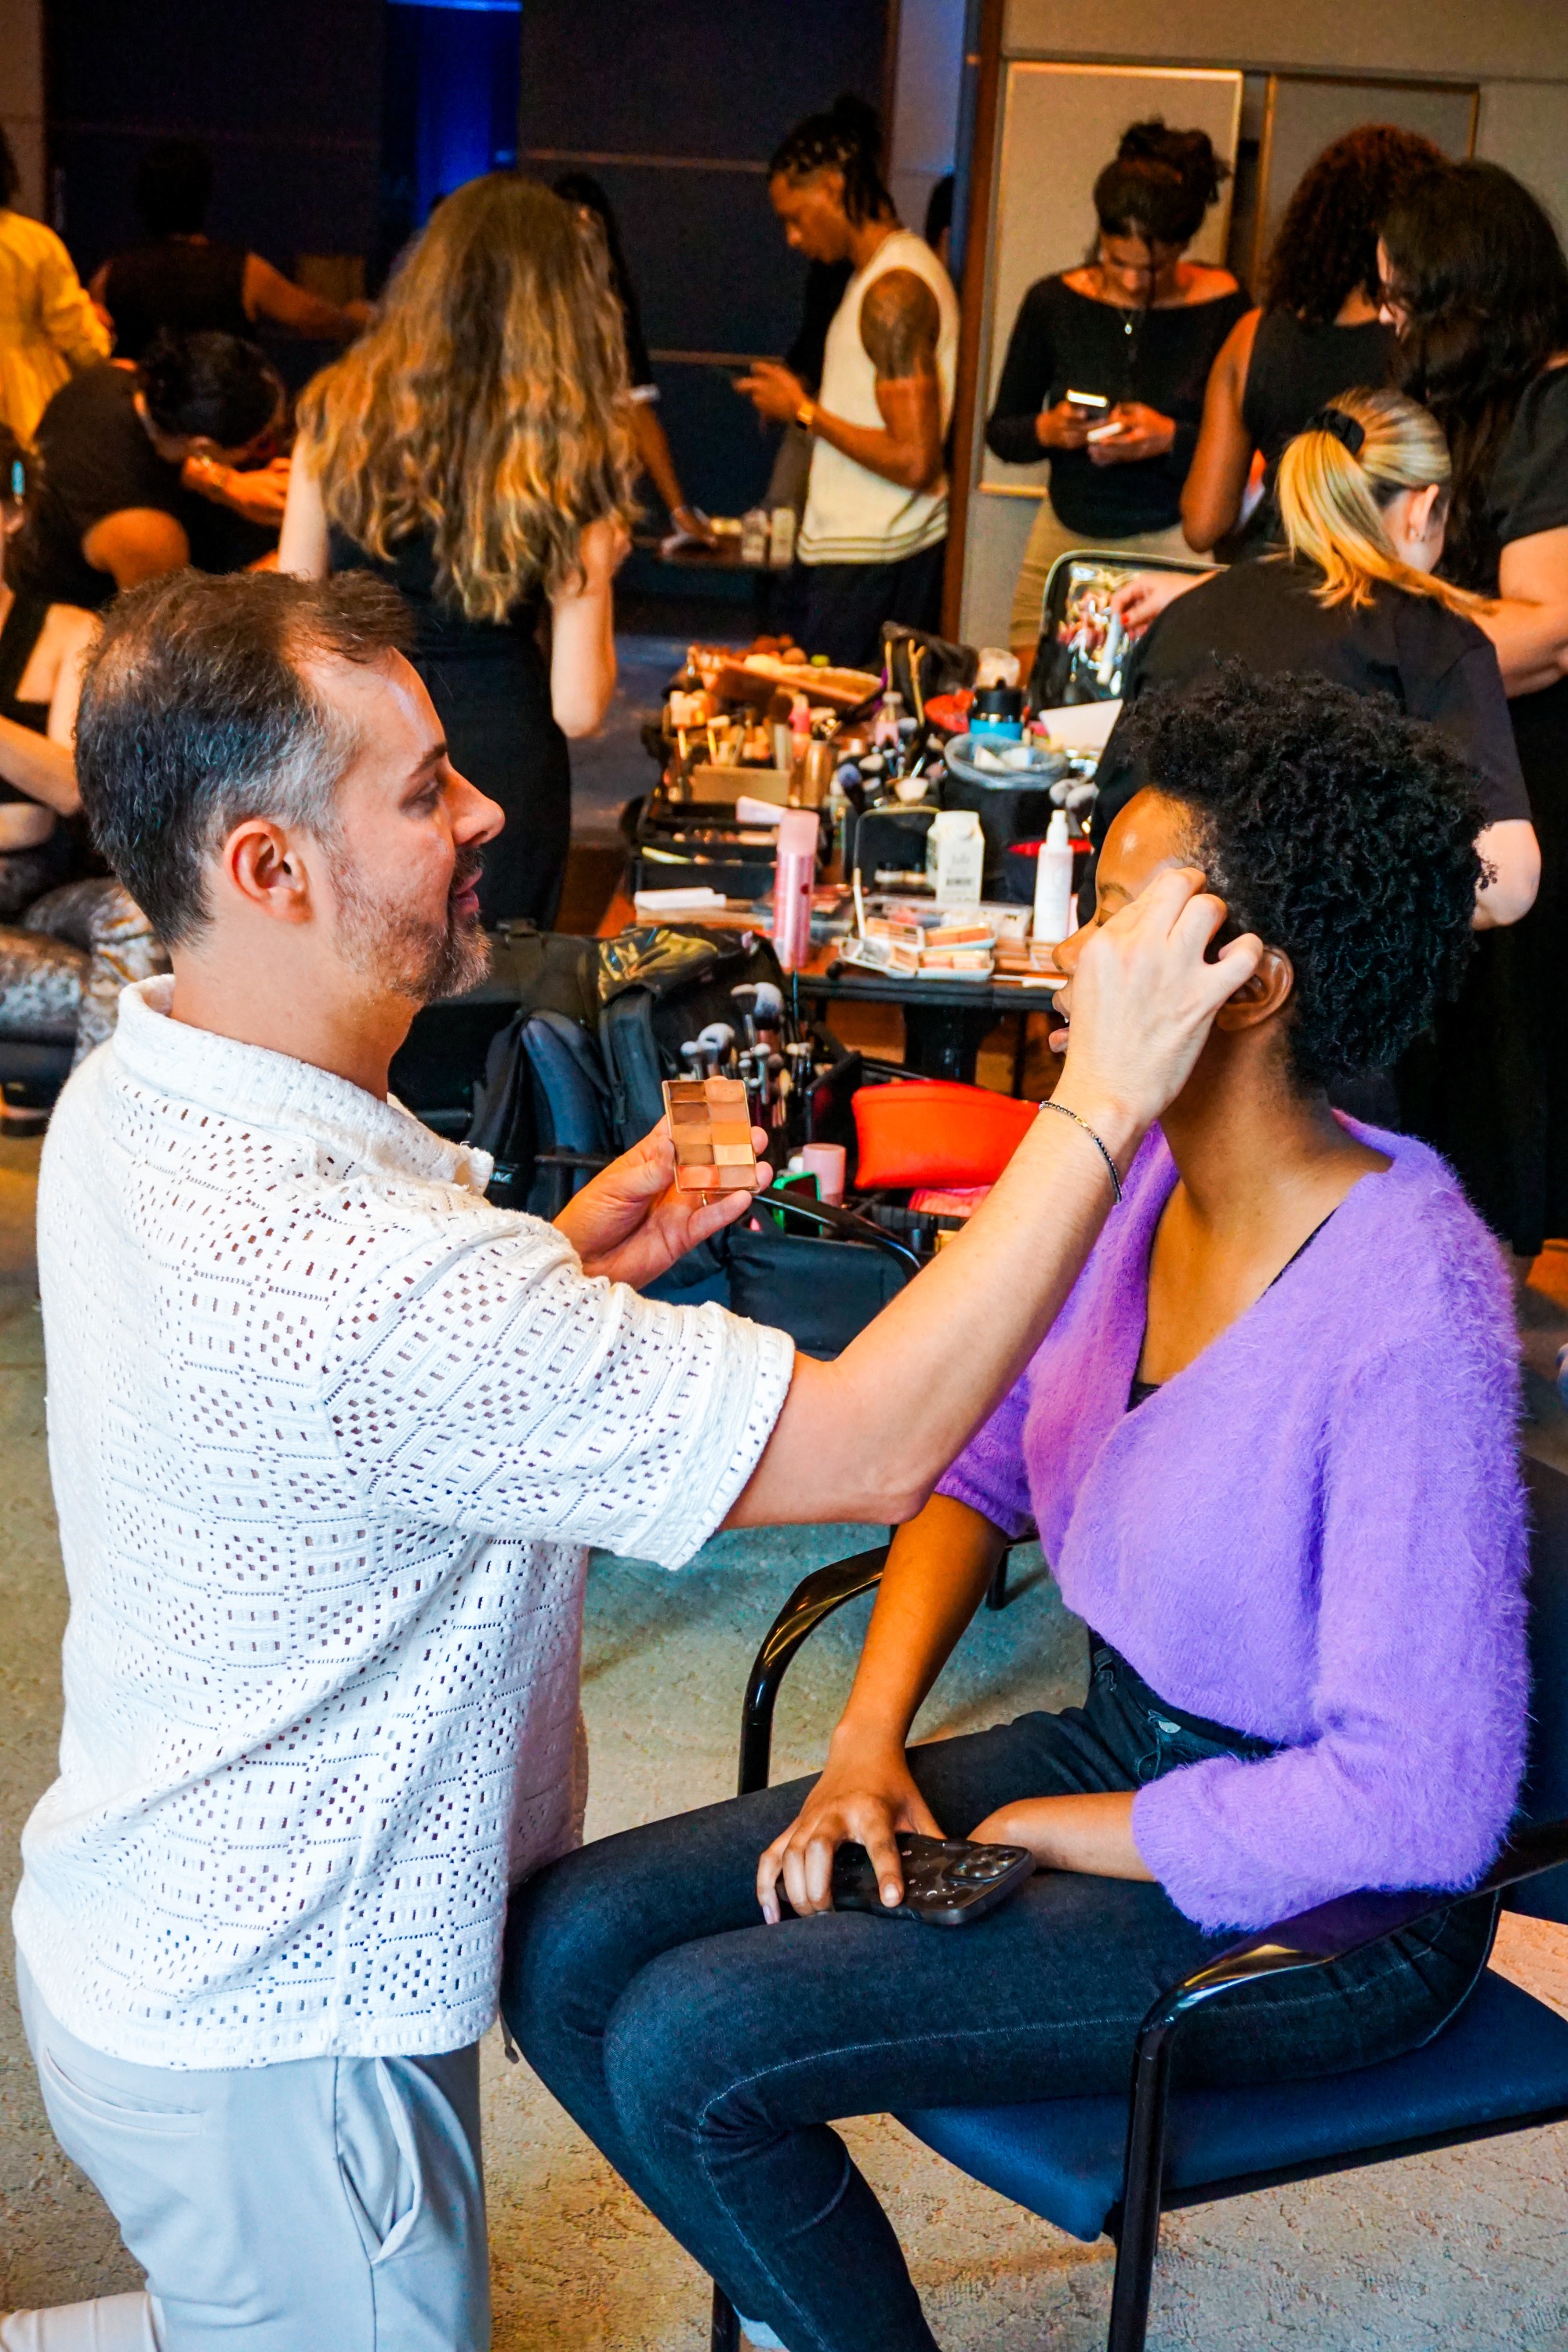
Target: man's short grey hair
<point>196,715</point>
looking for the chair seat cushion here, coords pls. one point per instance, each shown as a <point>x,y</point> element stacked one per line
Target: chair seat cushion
<point>1504,2056</point>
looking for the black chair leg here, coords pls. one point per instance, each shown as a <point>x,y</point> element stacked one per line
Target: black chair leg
<point>724,2335</point>
<point>996,1590</point>
<point>1138,2236</point>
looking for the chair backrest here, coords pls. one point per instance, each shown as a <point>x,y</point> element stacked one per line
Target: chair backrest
<point>1545,1797</point>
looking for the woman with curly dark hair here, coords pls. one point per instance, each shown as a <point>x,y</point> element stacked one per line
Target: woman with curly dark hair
<point>1317,333</point>
<point>1475,284</point>
<point>1307,1666</point>
<point>1137,328</point>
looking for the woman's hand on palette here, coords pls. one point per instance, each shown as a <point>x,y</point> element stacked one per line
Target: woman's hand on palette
<point>631,1222</point>
<point>865,1796</point>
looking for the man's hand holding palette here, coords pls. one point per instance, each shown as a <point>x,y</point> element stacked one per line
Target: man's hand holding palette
<point>710,1126</point>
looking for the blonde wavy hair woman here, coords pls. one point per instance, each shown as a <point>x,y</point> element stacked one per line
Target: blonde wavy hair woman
<point>1353,597</point>
<point>474,448</point>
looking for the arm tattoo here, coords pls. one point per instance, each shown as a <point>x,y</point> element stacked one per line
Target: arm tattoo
<point>900,323</point>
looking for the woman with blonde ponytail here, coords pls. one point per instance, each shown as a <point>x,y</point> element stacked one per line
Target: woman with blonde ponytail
<point>1353,597</point>
<point>1363,492</point>
<point>474,448</point>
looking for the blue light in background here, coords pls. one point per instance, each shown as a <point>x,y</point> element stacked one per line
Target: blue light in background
<point>452,72</point>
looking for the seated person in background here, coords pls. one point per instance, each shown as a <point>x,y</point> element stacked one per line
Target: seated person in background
<point>180,283</point>
<point>1268,1445</point>
<point>140,469</point>
<point>67,946</point>
<point>42,646</point>
<point>1364,497</point>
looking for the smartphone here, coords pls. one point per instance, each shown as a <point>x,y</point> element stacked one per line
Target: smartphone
<point>1105,432</point>
<point>948,1882</point>
<point>1091,402</point>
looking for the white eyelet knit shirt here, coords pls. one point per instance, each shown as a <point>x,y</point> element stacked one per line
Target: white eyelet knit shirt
<point>328,1437</point>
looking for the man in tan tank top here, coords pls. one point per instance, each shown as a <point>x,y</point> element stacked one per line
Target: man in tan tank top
<point>872,543</point>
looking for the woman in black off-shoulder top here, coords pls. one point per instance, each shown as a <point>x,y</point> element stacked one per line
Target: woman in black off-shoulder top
<point>1139,327</point>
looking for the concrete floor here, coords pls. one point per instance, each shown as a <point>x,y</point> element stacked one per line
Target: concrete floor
<point>1465,2249</point>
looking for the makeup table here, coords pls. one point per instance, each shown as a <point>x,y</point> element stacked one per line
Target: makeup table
<point>945,1021</point>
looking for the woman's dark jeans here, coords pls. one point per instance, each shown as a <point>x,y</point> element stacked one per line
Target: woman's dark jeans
<point>706,2054</point>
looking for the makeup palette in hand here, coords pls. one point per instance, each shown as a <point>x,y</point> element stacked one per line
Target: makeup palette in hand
<point>710,1121</point>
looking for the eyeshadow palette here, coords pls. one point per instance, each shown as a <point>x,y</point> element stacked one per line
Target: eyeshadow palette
<point>710,1121</point>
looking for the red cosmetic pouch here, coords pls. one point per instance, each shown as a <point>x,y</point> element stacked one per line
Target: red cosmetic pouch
<point>934,1131</point>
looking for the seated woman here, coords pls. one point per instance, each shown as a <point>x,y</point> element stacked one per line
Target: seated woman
<point>67,946</point>
<point>42,647</point>
<point>1354,596</point>
<point>1268,1445</point>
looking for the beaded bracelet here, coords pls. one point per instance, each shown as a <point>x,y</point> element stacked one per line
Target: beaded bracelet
<point>1099,1147</point>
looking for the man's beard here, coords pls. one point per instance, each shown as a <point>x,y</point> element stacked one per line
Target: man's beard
<point>414,958</point>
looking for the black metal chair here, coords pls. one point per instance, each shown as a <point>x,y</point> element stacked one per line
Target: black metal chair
<point>1112,2164</point>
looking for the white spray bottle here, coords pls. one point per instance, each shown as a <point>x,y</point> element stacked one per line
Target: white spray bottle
<point>1053,918</point>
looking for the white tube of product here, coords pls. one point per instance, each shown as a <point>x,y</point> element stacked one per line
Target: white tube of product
<point>1054,917</point>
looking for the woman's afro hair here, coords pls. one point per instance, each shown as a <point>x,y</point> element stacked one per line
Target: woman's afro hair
<point>1338,830</point>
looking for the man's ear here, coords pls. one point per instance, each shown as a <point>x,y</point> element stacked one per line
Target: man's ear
<point>265,870</point>
<point>1261,997</point>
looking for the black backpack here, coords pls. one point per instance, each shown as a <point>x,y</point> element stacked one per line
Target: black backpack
<point>576,1072</point>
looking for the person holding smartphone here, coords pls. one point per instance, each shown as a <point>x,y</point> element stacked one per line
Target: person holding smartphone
<point>1108,365</point>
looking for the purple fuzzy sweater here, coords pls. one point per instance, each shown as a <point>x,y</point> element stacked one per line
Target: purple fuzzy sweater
<point>1315,1533</point>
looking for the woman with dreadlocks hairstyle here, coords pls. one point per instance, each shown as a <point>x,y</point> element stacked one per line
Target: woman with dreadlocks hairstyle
<point>1317,333</point>
<point>1475,284</point>
<point>872,541</point>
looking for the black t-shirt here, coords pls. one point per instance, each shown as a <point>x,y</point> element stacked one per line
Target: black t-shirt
<point>178,283</point>
<point>1296,369</point>
<point>1530,488</point>
<point>1434,664</point>
<point>97,461</point>
<point>1066,342</point>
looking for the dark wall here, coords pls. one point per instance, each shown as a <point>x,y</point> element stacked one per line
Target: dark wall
<point>677,108</point>
<point>286,94</point>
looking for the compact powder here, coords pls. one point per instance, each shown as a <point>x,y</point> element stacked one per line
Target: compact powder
<point>710,1125</point>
